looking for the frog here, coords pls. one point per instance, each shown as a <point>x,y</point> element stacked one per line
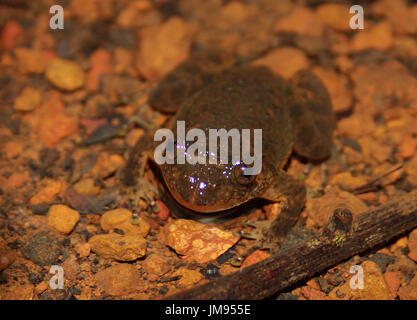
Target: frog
<point>212,91</point>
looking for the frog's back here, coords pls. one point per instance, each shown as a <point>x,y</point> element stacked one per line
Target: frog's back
<point>245,98</point>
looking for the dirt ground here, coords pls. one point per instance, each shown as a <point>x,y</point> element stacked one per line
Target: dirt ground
<point>74,101</point>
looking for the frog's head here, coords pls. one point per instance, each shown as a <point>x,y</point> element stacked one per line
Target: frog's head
<point>207,188</point>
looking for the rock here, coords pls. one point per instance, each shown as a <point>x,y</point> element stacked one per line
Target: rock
<point>301,21</point>
<point>65,74</point>
<point>378,36</point>
<point>10,35</point>
<point>28,99</point>
<point>42,249</point>
<point>29,61</point>
<point>49,193</point>
<point>412,245</point>
<point>107,164</point>
<point>407,148</point>
<point>118,280</point>
<point>122,219</point>
<point>87,187</point>
<point>375,91</point>
<point>12,149</point>
<point>196,241</point>
<point>155,266</point>
<point>347,181</point>
<point>334,15</point>
<point>101,63</point>
<point>163,213</point>
<point>50,121</point>
<point>17,180</point>
<point>118,247</point>
<point>393,281</point>
<point>255,257</point>
<point>313,294</point>
<point>352,127</point>
<point>7,256</point>
<point>162,48</point>
<point>375,287</point>
<point>188,277</point>
<point>398,14</point>
<point>338,87</point>
<point>285,61</point>
<point>409,292</point>
<point>322,208</point>
<point>62,218</point>
<point>83,250</point>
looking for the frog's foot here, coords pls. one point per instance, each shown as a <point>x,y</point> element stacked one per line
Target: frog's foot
<point>264,239</point>
<point>144,191</point>
<point>270,234</point>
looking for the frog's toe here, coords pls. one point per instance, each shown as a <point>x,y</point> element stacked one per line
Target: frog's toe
<point>144,192</point>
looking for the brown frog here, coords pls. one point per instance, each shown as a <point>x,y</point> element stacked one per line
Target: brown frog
<point>209,92</point>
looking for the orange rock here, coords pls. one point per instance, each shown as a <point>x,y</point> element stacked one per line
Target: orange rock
<point>412,245</point>
<point>375,287</point>
<point>121,219</point>
<point>334,15</point>
<point>313,294</point>
<point>408,146</point>
<point>51,122</point>
<point>398,14</point>
<point>118,279</point>
<point>86,187</point>
<point>162,48</point>
<point>7,256</point>
<point>12,149</point>
<point>196,241</point>
<point>322,208</point>
<point>393,282</point>
<point>83,250</point>
<point>17,291</point>
<point>10,35</point>
<point>284,61</point>
<point>118,247</point>
<point>255,257</point>
<point>49,193</point>
<point>375,91</point>
<point>163,213</point>
<point>346,180</point>
<point>62,218</point>
<point>107,164</point>
<point>28,99</point>
<point>29,61</point>
<point>65,74</point>
<point>300,21</point>
<point>378,36</point>
<point>405,47</point>
<point>409,292</point>
<point>354,126</point>
<point>17,180</point>
<point>337,86</point>
<point>155,265</point>
<point>101,63</point>
<point>188,277</point>
<point>41,287</point>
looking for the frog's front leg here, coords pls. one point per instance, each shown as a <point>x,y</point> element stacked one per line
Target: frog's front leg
<point>270,234</point>
<point>135,170</point>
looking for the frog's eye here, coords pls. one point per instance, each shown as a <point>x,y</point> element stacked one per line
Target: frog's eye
<point>241,177</point>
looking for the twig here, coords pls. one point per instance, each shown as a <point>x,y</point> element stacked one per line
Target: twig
<point>340,240</point>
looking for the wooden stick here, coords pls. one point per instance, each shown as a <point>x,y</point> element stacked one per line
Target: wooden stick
<point>341,239</point>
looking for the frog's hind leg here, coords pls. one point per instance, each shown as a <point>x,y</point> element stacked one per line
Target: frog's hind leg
<point>312,116</point>
<point>186,79</point>
<point>270,234</point>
